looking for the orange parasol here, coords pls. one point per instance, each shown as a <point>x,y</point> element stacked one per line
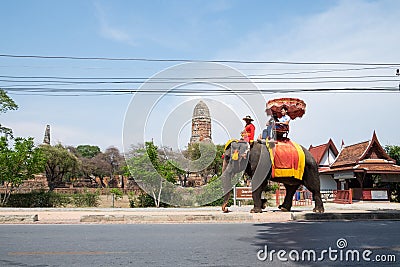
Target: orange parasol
<point>296,107</point>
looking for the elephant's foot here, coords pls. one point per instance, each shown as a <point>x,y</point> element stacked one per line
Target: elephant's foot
<point>225,208</point>
<point>264,203</point>
<point>256,210</point>
<point>319,209</point>
<point>282,208</point>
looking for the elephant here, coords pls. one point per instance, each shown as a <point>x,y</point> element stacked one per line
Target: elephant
<point>256,162</point>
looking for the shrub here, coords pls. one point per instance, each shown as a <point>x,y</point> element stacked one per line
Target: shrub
<point>42,199</point>
<point>38,199</point>
<point>85,200</point>
<point>131,197</point>
<point>118,194</point>
<point>145,200</point>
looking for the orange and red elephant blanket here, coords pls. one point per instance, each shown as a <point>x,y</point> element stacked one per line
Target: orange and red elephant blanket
<point>288,159</point>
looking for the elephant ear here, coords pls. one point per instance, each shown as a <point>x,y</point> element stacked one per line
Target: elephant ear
<point>228,144</point>
<point>241,147</point>
<point>260,165</point>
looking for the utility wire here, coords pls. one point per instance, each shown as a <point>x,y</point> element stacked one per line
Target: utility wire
<point>198,91</point>
<point>325,71</point>
<point>148,84</point>
<point>145,79</point>
<point>52,85</point>
<point>199,61</point>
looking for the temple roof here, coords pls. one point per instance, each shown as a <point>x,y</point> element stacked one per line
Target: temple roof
<point>353,154</point>
<point>368,156</point>
<point>350,154</point>
<point>319,151</point>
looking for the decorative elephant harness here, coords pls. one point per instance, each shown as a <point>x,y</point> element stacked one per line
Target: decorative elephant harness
<point>236,152</point>
<point>287,157</point>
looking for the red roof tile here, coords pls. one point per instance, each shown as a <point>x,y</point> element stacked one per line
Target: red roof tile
<point>365,156</point>
<point>319,151</point>
<point>350,154</point>
<point>383,167</point>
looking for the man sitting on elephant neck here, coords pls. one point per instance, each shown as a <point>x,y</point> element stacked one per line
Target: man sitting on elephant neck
<point>249,129</point>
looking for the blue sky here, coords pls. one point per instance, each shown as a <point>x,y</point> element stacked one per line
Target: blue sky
<point>298,31</point>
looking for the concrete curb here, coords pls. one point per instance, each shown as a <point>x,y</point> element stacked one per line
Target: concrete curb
<point>212,217</point>
<point>238,214</point>
<point>168,218</point>
<point>18,218</point>
<point>329,216</point>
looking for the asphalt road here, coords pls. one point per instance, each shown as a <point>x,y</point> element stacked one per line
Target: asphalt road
<point>203,244</point>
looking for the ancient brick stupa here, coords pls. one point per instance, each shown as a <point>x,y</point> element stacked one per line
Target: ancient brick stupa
<point>201,123</point>
<point>46,139</point>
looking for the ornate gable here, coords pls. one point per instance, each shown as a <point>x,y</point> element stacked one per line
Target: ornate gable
<point>318,152</point>
<point>368,156</point>
<point>375,151</point>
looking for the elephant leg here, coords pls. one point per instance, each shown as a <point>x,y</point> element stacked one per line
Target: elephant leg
<point>260,171</point>
<point>312,182</point>
<point>257,201</point>
<point>314,189</point>
<point>319,206</point>
<point>225,202</point>
<point>264,203</point>
<point>256,194</point>
<point>288,201</point>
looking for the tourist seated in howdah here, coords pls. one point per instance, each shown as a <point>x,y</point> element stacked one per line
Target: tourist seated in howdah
<point>277,127</point>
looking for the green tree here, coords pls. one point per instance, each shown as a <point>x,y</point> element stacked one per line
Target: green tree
<point>92,162</point>
<point>6,104</point>
<point>114,159</point>
<point>117,194</point>
<point>394,153</point>
<point>88,151</point>
<point>18,163</point>
<point>155,174</point>
<point>115,162</point>
<point>60,165</point>
<point>100,167</point>
<point>206,159</point>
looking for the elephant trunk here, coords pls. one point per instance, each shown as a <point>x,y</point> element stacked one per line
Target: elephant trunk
<point>227,177</point>
<point>235,161</point>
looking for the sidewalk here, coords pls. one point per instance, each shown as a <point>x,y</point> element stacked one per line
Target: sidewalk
<point>356,211</point>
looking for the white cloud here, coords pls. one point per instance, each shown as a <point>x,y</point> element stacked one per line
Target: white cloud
<point>115,34</point>
<point>352,31</point>
<point>111,31</point>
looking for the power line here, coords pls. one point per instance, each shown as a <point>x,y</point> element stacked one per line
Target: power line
<point>150,79</point>
<point>150,83</point>
<point>326,71</point>
<point>200,91</point>
<point>199,61</point>
<point>52,85</point>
